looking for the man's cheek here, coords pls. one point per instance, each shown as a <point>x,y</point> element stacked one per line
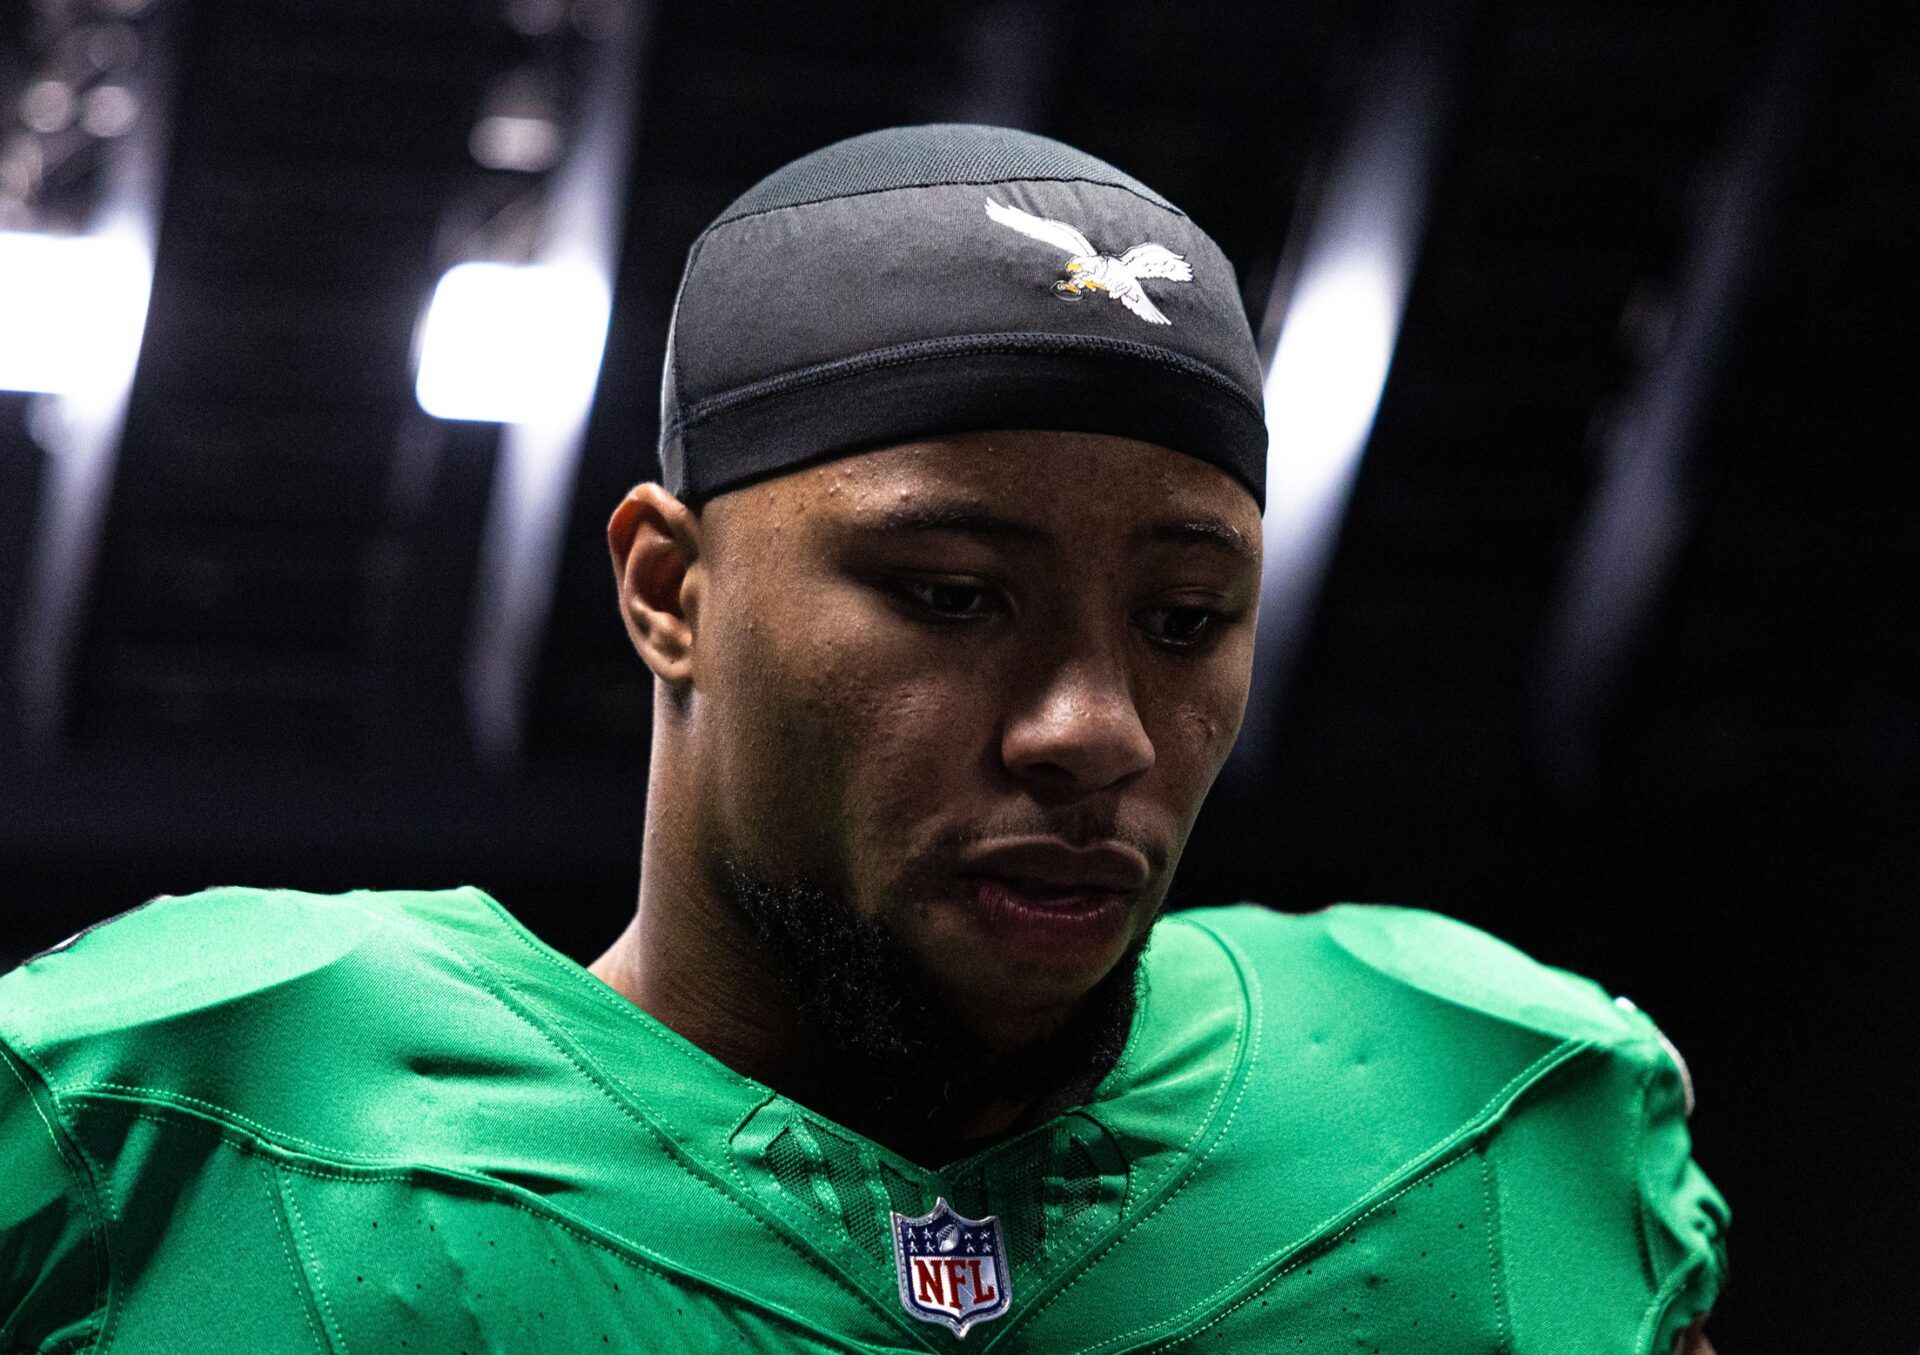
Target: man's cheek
<point>1213,731</point>
<point>915,767</point>
<point>1203,720</point>
<point>903,782</point>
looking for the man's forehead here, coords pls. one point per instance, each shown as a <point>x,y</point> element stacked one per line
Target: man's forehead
<point>1151,525</point>
<point>1084,476</point>
<point>1017,489</point>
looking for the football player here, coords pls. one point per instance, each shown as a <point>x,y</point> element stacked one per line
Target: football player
<point>948,595</point>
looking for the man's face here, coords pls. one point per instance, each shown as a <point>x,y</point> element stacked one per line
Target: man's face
<point>975,690</point>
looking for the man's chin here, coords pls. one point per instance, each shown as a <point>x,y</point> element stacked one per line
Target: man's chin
<point>1004,1004</point>
<point>1069,1049</point>
<point>1009,1027</point>
<point>923,1023</point>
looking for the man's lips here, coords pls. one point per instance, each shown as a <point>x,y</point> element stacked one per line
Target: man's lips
<point>1048,898</point>
<point>1046,867</point>
<point>1077,927</point>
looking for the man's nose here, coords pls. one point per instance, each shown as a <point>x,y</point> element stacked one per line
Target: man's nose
<point>1080,731</point>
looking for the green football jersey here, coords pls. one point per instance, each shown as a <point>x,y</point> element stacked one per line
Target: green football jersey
<point>267,1121</point>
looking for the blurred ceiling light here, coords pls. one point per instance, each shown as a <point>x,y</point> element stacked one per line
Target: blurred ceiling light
<point>21,168</point>
<point>111,46</point>
<point>73,311</point>
<point>526,144</point>
<point>598,20</point>
<point>1336,321</point>
<point>512,343</point>
<point>1327,374</point>
<point>108,110</point>
<point>47,106</point>
<point>535,17</point>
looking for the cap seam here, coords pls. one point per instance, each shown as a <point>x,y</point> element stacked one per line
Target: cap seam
<point>946,183</point>
<point>924,350</point>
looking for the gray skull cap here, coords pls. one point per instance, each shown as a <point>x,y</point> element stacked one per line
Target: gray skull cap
<point>946,278</point>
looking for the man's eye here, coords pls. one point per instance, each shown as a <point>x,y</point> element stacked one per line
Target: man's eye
<point>1181,627</point>
<point>950,601</point>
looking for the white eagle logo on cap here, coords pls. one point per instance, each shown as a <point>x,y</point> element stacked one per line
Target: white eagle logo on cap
<point>1090,270</point>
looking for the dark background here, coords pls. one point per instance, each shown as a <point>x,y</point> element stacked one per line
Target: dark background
<point>265,684</point>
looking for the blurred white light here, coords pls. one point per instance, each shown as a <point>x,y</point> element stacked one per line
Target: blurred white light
<point>1338,320</point>
<point>535,17</point>
<point>527,144</point>
<point>598,20</point>
<point>21,168</point>
<point>47,106</point>
<point>109,110</point>
<point>111,46</point>
<point>71,311</point>
<point>507,343</point>
<point>1324,386</point>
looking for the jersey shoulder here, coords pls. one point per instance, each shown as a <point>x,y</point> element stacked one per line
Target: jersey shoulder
<point>269,1002</point>
<point>1437,957</point>
<point>1429,1035</point>
<point>223,947</point>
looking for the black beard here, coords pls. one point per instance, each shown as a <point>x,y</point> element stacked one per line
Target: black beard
<point>850,980</point>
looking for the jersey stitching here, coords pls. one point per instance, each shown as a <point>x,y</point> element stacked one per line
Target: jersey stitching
<point>1089,1223</point>
<point>97,1246</point>
<point>355,1171</point>
<point>167,1096</point>
<point>733,1155</point>
<point>1479,1124</point>
<point>305,1282</point>
<point>618,1250</point>
<point>110,1220</point>
<point>1317,1248</point>
<point>1663,1301</point>
<point>622,1101</point>
<point>1495,1257</point>
<point>465,959</point>
<point>1252,1020</point>
<point>1665,1292</point>
<point>627,1104</point>
<point>605,996</point>
<point>1645,1236</point>
<point>497,1192</point>
<point>313,1257</point>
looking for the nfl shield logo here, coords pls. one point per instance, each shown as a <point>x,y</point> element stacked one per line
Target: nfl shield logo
<point>952,1269</point>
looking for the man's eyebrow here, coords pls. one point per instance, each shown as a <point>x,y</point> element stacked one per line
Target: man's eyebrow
<point>1204,531</point>
<point>965,518</point>
<point>973,520</point>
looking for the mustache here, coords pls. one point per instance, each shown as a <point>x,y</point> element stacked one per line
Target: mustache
<point>1078,827</point>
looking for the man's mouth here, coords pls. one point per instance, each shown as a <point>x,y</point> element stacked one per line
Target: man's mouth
<point>1048,867</point>
<point>1037,920</point>
<point>1043,897</point>
<point>1040,896</point>
<point>1035,893</point>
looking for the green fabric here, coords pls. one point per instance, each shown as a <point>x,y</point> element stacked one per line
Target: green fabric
<point>253,1120</point>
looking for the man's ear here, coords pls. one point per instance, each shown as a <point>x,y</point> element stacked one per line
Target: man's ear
<point>655,541</point>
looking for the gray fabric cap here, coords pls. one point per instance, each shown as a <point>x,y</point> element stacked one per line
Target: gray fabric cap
<point>865,295</point>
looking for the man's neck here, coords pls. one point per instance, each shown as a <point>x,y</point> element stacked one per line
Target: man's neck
<point>689,961</point>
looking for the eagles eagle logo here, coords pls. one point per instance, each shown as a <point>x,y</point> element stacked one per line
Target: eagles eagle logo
<point>1088,270</point>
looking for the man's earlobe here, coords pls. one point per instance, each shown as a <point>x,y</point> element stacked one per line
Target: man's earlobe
<point>655,543</point>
